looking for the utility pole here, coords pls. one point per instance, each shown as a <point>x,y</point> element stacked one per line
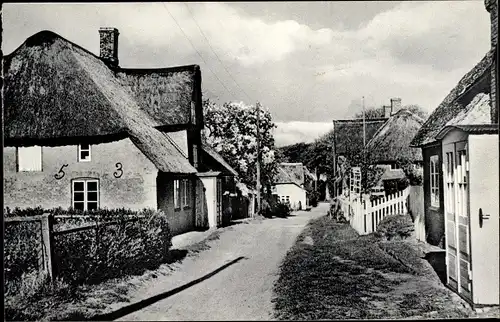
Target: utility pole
<point>316,181</point>
<point>258,157</point>
<point>364,126</point>
<point>364,151</point>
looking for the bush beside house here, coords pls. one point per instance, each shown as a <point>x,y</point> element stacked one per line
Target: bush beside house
<point>89,256</point>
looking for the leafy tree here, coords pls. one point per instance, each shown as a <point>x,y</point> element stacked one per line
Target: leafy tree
<point>413,174</point>
<point>377,112</point>
<point>371,113</point>
<point>231,129</point>
<point>417,110</point>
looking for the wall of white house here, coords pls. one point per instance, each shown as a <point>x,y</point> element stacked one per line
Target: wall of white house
<point>181,140</point>
<point>294,192</point>
<point>131,184</point>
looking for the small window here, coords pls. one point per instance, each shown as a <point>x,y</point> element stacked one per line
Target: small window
<point>86,194</point>
<point>177,194</point>
<point>84,154</point>
<point>434,180</point>
<point>185,192</point>
<point>195,155</point>
<point>193,113</point>
<point>394,166</point>
<point>29,158</point>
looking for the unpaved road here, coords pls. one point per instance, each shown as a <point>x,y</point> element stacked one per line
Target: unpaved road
<point>244,262</point>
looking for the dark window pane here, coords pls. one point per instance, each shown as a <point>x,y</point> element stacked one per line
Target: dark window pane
<point>78,205</point>
<point>78,186</point>
<point>92,196</point>
<point>92,205</point>
<point>78,196</point>
<point>92,186</point>
<point>84,155</point>
<point>84,147</point>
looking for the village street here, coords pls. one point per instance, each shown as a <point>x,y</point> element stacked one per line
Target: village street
<point>242,290</point>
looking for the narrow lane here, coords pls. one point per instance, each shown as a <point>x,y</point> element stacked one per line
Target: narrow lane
<point>240,291</point>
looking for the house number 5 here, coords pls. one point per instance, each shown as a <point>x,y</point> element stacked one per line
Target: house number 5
<point>119,172</point>
<point>61,172</point>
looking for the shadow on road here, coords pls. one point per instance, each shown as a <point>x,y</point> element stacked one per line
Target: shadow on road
<point>144,303</point>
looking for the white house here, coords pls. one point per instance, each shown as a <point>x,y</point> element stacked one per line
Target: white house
<point>289,185</point>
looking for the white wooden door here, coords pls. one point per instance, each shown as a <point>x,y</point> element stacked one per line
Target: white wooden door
<point>219,201</point>
<point>484,218</point>
<point>456,187</point>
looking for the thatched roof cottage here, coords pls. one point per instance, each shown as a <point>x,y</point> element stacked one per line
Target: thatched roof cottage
<point>459,143</point>
<point>290,184</point>
<point>390,144</point>
<point>82,132</point>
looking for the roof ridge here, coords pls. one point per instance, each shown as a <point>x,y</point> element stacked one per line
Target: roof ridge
<point>367,120</point>
<point>43,36</point>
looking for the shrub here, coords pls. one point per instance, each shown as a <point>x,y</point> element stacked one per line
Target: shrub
<point>313,198</point>
<point>282,210</point>
<point>137,241</point>
<point>110,251</point>
<point>22,247</point>
<point>335,212</point>
<point>395,227</point>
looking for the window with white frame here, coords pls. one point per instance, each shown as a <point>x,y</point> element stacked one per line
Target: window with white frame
<point>185,192</point>
<point>434,180</point>
<point>29,158</point>
<point>85,194</point>
<point>84,153</point>
<point>177,194</point>
<point>394,166</point>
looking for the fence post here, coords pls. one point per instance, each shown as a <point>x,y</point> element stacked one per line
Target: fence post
<point>48,244</point>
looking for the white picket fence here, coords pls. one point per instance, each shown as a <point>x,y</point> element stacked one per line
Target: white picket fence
<point>365,215</point>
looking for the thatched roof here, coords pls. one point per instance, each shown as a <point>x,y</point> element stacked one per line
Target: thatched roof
<point>55,89</point>
<point>290,173</point>
<point>392,140</point>
<point>49,92</point>
<point>348,135</point>
<point>165,94</point>
<point>222,164</point>
<point>474,82</point>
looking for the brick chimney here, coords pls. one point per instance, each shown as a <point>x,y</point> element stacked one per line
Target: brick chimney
<point>395,105</point>
<point>109,45</point>
<point>387,111</point>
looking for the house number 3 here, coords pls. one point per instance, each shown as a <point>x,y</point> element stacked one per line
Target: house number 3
<point>61,172</point>
<point>119,172</point>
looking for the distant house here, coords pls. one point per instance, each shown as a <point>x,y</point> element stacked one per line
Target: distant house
<point>348,140</point>
<point>390,144</point>
<point>290,185</point>
<point>459,143</point>
<point>219,180</point>
<point>82,132</point>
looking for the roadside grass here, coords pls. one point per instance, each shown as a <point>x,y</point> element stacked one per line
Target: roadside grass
<point>341,275</point>
<point>39,301</point>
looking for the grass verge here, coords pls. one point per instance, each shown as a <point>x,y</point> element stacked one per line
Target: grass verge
<point>341,275</point>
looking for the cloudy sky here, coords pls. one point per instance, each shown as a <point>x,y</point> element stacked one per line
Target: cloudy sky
<point>308,63</point>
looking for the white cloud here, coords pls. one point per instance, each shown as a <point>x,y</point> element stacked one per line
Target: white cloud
<point>288,133</point>
<point>416,51</point>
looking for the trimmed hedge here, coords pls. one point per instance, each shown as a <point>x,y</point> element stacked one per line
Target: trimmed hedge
<point>92,255</point>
